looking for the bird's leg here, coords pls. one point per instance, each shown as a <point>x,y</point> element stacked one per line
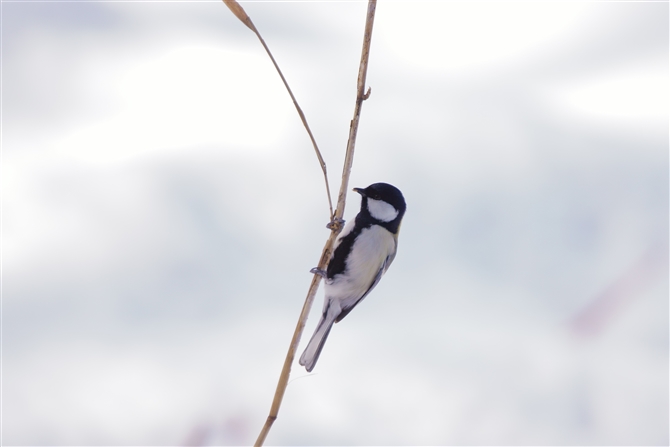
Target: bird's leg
<point>336,224</point>
<point>318,271</point>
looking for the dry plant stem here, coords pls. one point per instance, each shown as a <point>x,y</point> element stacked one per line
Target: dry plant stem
<point>244,18</point>
<point>339,212</point>
<point>304,122</point>
<point>360,97</point>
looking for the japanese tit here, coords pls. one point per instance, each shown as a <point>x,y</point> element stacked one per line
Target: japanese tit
<point>362,253</point>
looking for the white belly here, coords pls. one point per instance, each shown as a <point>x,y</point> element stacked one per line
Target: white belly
<point>367,256</point>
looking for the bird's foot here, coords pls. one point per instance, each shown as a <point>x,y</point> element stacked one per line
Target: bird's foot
<point>336,224</point>
<point>318,271</point>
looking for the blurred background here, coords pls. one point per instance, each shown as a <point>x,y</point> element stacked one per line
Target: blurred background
<point>162,207</point>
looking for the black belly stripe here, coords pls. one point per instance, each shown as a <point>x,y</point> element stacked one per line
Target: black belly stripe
<point>337,262</point>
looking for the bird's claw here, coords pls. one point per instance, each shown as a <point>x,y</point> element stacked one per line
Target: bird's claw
<point>335,224</point>
<point>318,271</point>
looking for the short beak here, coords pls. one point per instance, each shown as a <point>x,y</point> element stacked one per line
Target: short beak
<point>360,191</point>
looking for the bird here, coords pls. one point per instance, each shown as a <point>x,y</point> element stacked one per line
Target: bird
<point>362,253</point>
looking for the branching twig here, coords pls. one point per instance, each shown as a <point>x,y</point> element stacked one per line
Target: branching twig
<point>242,15</point>
<point>336,217</point>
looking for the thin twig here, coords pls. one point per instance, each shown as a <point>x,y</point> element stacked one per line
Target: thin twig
<point>239,12</point>
<point>339,212</point>
<point>361,96</point>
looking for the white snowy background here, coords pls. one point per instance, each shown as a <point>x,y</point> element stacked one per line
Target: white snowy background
<point>162,206</point>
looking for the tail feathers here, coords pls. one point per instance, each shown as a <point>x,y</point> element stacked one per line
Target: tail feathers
<point>313,350</point>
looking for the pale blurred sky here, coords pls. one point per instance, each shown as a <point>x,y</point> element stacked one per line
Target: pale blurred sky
<point>162,207</point>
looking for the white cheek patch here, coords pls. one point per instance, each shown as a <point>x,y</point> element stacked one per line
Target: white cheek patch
<point>381,210</point>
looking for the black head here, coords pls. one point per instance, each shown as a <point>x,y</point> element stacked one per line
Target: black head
<point>384,203</point>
